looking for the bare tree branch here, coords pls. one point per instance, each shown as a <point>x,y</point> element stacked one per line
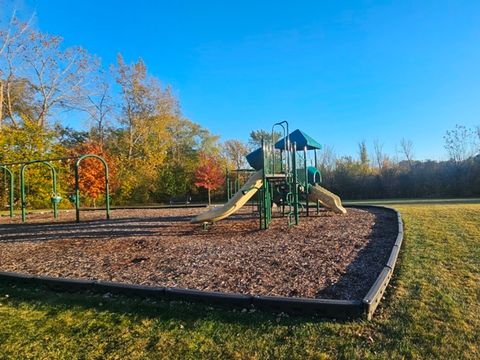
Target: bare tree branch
<point>406,148</point>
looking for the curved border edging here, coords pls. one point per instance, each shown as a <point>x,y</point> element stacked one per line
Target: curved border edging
<point>331,308</point>
<point>375,294</point>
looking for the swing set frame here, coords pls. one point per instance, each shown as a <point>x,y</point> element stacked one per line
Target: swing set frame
<point>55,198</point>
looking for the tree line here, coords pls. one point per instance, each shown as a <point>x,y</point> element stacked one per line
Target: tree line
<point>378,176</point>
<point>153,150</point>
<point>132,120</point>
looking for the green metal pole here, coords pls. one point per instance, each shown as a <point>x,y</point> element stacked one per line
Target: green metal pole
<point>22,192</point>
<point>273,158</point>
<point>54,190</point>
<point>281,161</point>
<point>107,191</point>
<point>268,205</point>
<point>306,178</point>
<point>227,185</point>
<point>22,187</point>
<point>264,190</point>
<point>295,183</point>
<point>55,204</point>
<point>10,190</point>
<point>77,194</point>
<point>237,183</point>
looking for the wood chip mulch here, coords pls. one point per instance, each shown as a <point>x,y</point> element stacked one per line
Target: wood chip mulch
<point>326,256</point>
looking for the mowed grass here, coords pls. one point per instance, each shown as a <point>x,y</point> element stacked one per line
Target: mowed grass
<point>431,310</point>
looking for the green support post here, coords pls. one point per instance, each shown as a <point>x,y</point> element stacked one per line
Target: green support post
<point>263,212</point>
<point>227,185</point>
<point>264,195</point>
<point>10,190</point>
<point>77,195</point>
<point>55,197</point>
<point>260,207</point>
<point>281,161</point>
<point>268,206</point>
<point>295,183</point>
<point>22,188</point>
<point>306,190</point>
<point>236,183</point>
<point>23,204</point>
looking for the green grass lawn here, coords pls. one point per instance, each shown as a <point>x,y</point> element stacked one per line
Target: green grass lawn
<point>431,310</point>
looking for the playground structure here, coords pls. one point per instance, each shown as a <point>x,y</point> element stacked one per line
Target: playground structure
<point>55,197</point>
<point>282,176</point>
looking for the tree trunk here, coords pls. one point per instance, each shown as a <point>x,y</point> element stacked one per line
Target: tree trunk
<point>130,143</point>
<point>1,103</point>
<point>209,202</point>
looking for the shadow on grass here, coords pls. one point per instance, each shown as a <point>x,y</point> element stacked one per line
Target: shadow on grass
<point>139,308</point>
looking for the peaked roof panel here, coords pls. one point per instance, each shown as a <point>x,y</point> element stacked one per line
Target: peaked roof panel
<point>301,139</point>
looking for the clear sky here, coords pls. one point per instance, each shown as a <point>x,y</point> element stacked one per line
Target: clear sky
<point>342,71</point>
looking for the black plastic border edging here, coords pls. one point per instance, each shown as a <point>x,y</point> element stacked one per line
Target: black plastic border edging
<point>375,294</point>
<point>322,307</point>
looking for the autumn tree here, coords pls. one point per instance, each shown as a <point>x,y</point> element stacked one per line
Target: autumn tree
<point>31,143</point>
<point>146,109</point>
<point>235,152</point>
<point>209,174</point>
<point>91,172</point>
<point>177,174</point>
<point>141,143</point>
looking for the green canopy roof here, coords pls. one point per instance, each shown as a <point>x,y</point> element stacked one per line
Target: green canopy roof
<point>301,139</point>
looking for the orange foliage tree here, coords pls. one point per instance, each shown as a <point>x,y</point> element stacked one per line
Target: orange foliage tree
<point>209,174</point>
<point>91,172</point>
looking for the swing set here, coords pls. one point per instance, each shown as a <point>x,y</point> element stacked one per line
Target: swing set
<point>55,198</point>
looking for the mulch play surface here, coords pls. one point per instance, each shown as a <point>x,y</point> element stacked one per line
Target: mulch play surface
<point>326,256</point>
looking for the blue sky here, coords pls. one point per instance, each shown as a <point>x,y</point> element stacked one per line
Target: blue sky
<point>342,71</point>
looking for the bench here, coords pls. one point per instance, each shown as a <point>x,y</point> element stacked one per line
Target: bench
<point>180,200</point>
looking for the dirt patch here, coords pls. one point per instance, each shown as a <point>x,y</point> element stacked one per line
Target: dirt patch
<point>326,256</point>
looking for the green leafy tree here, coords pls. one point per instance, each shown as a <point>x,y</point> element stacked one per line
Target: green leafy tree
<point>30,142</point>
<point>177,175</point>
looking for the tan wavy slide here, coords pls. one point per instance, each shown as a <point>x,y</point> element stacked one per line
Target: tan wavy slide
<point>241,197</point>
<point>327,199</point>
